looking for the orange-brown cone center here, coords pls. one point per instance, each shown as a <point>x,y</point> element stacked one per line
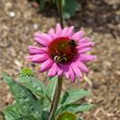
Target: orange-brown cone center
<point>62,50</point>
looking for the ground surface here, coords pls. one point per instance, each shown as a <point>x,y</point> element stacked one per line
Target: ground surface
<point>19,19</point>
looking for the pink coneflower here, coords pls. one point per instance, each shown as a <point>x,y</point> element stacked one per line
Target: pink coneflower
<point>62,52</point>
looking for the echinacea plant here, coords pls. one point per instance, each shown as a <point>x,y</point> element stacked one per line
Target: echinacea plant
<point>61,52</point>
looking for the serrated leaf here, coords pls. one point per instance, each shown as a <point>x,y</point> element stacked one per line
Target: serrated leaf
<point>36,86</point>
<point>75,108</point>
<point>26,101</point>
<point>73,95</point>
<point>69,8</point>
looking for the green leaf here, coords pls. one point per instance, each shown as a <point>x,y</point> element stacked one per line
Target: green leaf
<point>2,115</point>
<point>73,95</point>
<point>76,108</point>
<point>12,113</point>
<point>45,115</point>
<point>69,8</point>
<point>27,103</point>
<point>36,86</point>
<point>50,90</point>
<point>80,119</point>
<point>42,4</point>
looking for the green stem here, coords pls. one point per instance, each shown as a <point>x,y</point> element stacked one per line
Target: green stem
<point>60,79</point>
<point>60,10</point>
<point>56,98</point>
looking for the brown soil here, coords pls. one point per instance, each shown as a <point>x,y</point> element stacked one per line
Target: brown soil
<point>100,19</point>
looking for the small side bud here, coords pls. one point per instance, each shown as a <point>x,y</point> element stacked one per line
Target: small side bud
<point>26,72</point>
<point>67,116</point>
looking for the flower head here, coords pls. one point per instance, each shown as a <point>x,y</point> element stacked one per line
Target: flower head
<point>62,52</point>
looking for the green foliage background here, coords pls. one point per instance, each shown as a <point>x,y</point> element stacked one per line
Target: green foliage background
<point>69,6</point>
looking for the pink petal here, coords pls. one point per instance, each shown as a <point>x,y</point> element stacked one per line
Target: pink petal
<point>60,72</point>
<point>64,32</point>
<point>87,58</point>
<point>78,35</point>
<point>87,44</point>
<point>82,66</point>
<point>73,78</point>
<point>38,58</point>
<point>52,33</point>
<point>70,31</point>
<point>53,70</point>
<point>65,68</point>
<point>43,39</point>
<point>72,75</point>
<point>76,70</point>
<point>40,41</point>
<point>46,65</point>
<point>84,40</point>
<point>84,50</point>
<point>58,29</point>
<point>36,50</point>
<point>69,73</point>
<point>62,68</point>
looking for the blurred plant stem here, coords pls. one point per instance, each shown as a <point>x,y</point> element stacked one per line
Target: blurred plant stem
<point>60,79</point>
<point>60,11</point>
